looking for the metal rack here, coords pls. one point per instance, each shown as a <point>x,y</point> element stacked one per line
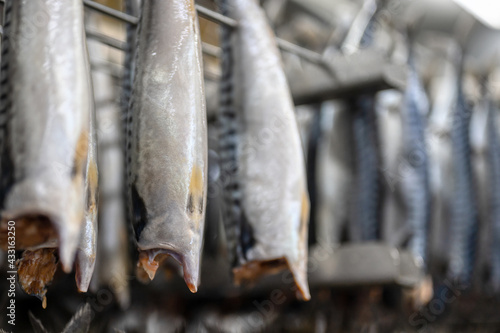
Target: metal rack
<point>327,78</point>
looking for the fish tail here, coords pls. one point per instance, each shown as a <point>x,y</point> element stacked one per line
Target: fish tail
<point>228,146</point>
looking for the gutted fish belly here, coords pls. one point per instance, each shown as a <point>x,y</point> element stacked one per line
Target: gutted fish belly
<point>415,177</point>
<point>167,139</point>
<point>46,105</point>
<point>271,191</point>
<point>36,270</point>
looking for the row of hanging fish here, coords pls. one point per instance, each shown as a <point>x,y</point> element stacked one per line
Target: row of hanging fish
<point>49,158</point>
<point>420,176</point>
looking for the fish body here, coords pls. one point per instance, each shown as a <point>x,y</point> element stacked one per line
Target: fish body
<point>87,247</point>
<point>464,223</point>
<point>481,159</point>
<point>493,157</point>
<point>334,166</point>
<point>113,255</point>
<point>415,177</point>
<point>366,195</point>
<point>46,108</point>
<point>166,153</point>
<point>261,132</point>
<point>366,201</point>
<point>443,94</point>
<point>389,122</point>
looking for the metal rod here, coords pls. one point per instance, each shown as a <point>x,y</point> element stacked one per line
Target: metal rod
<point>304,53</point>
<point>216,17</point>
<point>113,69</point>
<point>210,49</point>
<point>110,41</point>
<point>111,12</point>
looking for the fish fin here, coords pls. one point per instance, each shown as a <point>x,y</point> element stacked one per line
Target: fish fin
<point>67,249</point>
<point>190,267</point>
<point>36,324</point>
<point>300,277</point>
<point>80,323</point>
<point>150,261</point>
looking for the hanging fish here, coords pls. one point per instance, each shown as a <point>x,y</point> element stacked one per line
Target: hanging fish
<point>463,227</point>
<point>87,247</point>
<point>366,201</point>
<point>334,166</point>
<point>493,152</point>
<point>393,230</point>
<point>477,91</point>
<point>46,131</point>
<point>366,195</point>
<point>166,140</point>
<point>266,200</point>
<point>415,174</point>
<point>113,256</point>
<point>443,93</point>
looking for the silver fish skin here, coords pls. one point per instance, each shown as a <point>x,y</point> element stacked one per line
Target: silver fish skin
<point>443,93</point>
<point>334,166</point>
<point>87,248</point>
<point>493,152</point>
<point>45,120</point>
<point>393,230</point>
<point>167,139</point>
<point>270,160</point>
<point>415,177</point>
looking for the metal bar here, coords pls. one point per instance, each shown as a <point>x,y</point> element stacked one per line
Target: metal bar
<point>111,12</point>
<point>368,70</point>
<point>211,50</point>
<point>112,69</point>
<point>304,53</point>
<point>216,17</point>
<point>110,41</point>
